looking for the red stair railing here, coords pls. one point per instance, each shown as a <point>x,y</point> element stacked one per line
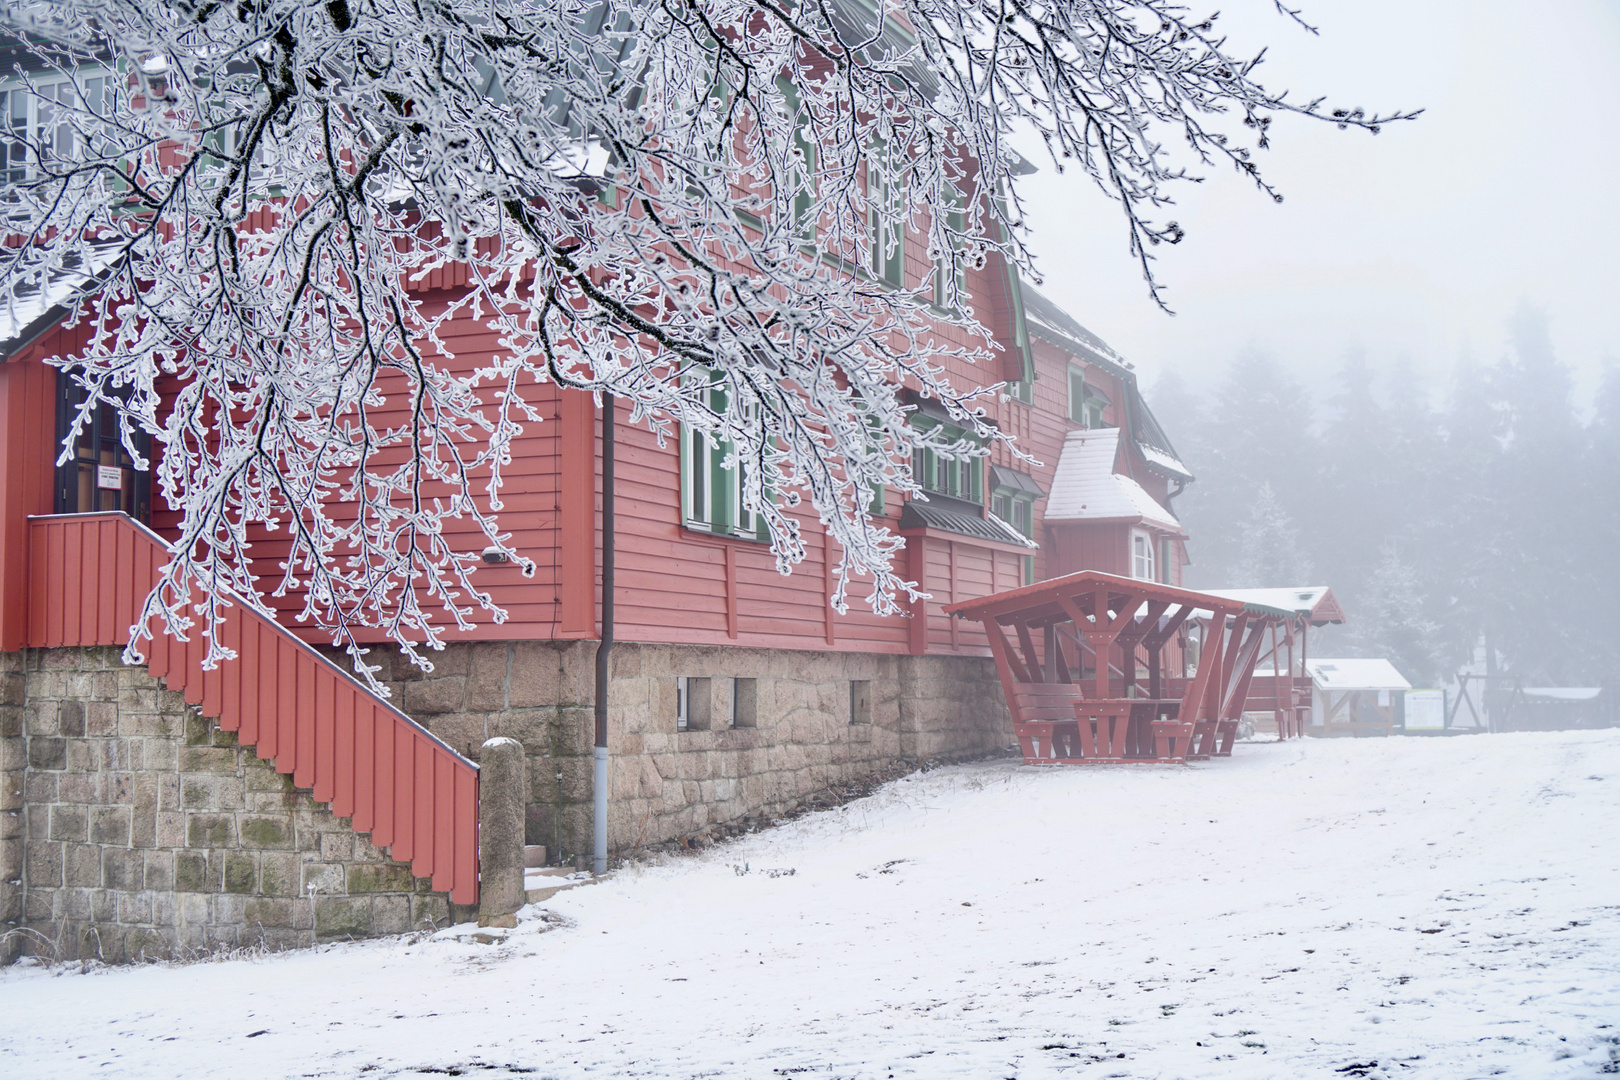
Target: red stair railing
<point>396,780</point>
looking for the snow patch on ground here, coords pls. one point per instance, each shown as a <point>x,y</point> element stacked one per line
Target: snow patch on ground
<point>1375,908</point>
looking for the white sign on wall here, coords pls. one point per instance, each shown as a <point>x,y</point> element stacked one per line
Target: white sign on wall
<point>109,478</point>
<point>1425,710</point>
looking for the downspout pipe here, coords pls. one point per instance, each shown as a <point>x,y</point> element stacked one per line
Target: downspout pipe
<point>599,786</point>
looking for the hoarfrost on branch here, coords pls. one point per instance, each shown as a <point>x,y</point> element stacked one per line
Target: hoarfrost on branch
<point>653,200</point>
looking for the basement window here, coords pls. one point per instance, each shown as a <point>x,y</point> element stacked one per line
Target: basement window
<point>744,703</point>
<point>860,701</point>
<point>692,701</point>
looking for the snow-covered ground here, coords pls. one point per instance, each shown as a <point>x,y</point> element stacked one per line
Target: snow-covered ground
<point>1379,908</point>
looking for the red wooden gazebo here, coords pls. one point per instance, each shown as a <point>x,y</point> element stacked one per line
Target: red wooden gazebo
<point>1088,680</point>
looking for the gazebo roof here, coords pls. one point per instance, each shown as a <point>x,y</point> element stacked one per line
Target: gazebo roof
<point>1043,602</point>
<point>1315,602</point>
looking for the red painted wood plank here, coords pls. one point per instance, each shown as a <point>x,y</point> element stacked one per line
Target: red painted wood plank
<point>230,672</point>
<point>304,710</point>
<point>57,602</point>
<point>157,647</point>
<point>107,533</point>
<point>465,890</point>
<point>422,849</point>
<point>343,710</point>
<point>196,648</point>
<point>285,713</point>
<point>73,578</point>
<point>404,791</point>
<point>444,820</point>
<point>325,736</point>
<point>129,569</point>
<point>213,682</point>
<point>385,774</point>
<point>365,764</point>
<point>38,598</point>
<point>258,674</point>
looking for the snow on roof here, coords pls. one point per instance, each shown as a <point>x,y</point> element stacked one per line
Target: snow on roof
<point>1356,674</point>
<point>1312,600</point>
<point>1168,462</point>
<point>26,310</point>
<point>1086,487</point>
<point>1563,693</point>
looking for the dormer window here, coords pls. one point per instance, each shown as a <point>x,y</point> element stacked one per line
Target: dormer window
<point>1086,402</point>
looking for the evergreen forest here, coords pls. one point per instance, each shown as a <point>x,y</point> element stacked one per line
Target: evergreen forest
<point>1486,521</point>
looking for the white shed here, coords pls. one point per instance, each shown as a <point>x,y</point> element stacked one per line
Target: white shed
<point>1357,697</point>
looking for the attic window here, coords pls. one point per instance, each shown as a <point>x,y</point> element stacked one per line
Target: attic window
<point>1086,403</point>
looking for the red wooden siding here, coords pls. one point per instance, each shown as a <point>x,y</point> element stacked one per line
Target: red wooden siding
<point>371,762</point>
<point>27,456</point>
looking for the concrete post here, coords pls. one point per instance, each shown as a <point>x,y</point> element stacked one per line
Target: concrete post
<point>503,789</point>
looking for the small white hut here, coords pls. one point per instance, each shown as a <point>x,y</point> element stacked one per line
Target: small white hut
<point>1355,697</point>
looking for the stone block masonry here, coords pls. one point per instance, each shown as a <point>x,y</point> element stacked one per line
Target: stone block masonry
<point>131,828</point>
<point>794,739</point>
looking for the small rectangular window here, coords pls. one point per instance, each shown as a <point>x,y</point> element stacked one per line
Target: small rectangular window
<point>885,229</point>
<point>860,701</point>
<point>692,703</point>
<point>711,492</point>
<point>1164,559</point>
<point>744,703</point>
<point>1142,556</point>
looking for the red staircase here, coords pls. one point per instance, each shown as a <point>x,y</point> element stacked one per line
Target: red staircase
<point>372,763</point>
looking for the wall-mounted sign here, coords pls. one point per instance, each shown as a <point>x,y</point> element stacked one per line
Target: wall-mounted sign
<point>109,478</point>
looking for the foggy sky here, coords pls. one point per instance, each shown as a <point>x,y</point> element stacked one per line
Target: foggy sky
<point>1414,245</point>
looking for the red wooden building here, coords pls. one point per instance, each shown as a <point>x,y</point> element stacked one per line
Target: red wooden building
<point>735,691</point>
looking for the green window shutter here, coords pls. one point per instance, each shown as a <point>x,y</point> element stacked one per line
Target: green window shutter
<point>1077,396</point>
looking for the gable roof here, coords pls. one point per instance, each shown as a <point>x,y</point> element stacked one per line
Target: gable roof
<point>1356,674</point>
<point>1086,487</point>
<point>1316,602</point>
<point>1060,328</point>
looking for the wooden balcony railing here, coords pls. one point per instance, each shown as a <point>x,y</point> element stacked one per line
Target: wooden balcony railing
<point>414,795</point>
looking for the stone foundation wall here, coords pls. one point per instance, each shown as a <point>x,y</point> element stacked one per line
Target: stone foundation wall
<point>669,783</point>
<point>131,827</point>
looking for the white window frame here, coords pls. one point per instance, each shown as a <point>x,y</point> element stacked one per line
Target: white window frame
<point>1142,541</point>
<point>704,475</point>
<point>1085,408</point>
<point>886,234</point>
<point>22,131</point>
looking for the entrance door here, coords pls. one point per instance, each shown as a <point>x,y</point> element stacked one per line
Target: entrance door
<point>99,474</point>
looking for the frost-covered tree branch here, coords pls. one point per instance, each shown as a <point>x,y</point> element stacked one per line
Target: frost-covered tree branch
<point>649,199</point>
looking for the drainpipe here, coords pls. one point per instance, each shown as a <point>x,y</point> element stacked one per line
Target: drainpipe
<point>599,787</point>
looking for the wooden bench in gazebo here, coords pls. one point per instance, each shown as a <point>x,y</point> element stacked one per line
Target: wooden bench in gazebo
<point>1085,664</point>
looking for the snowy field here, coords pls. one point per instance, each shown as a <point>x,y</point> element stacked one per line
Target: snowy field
<point>1380,908</point>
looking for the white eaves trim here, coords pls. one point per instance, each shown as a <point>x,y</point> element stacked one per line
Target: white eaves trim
<point>1086,487</point>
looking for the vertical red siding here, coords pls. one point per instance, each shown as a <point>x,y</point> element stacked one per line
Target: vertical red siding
<point>279,696</point>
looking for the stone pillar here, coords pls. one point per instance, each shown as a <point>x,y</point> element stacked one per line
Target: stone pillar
<point>12,764</point>
<point>503,788</point>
